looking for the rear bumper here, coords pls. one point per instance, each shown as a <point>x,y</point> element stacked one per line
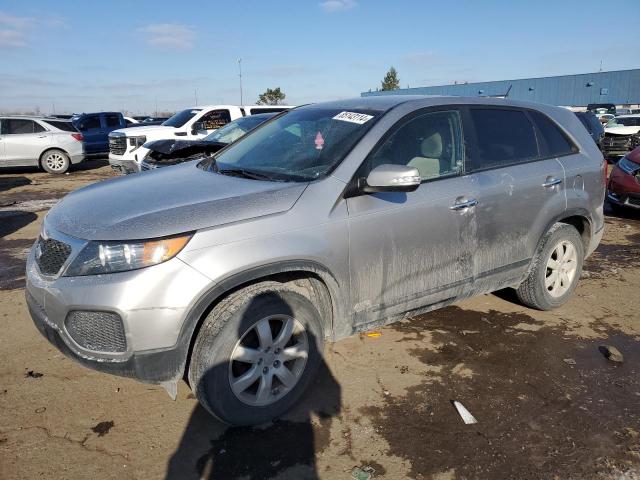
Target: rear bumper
<point>77,158</point>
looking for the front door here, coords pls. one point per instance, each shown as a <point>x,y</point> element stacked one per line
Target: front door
<point>24,140</point>
<point>411,249</point>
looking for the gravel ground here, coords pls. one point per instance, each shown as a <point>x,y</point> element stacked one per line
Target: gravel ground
<point>548,403</point>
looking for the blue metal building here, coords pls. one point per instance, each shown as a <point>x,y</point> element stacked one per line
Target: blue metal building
<point>621,87</point>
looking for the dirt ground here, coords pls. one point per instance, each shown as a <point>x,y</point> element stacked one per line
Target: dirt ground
<point>549,404</point>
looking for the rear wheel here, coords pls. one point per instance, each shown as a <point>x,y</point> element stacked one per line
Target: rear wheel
<point>256,353</point>
<point>55,161</point>
<point>555,269</point>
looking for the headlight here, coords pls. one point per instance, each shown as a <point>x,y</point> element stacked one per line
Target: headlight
<point>628,166</point>
<point>137,142</point>
<point>120,256</point>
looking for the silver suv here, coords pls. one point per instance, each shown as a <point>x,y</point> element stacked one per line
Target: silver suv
<point>51,143</point>
<point>234,270</point>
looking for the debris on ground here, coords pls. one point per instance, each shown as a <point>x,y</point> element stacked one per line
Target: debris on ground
<point>374,334</point>
<point>464,413</point>
<point>612,353</point>
<point>103,428</point>
<point>33,374</point>
<point>364,472</point>
<point>569,361</point>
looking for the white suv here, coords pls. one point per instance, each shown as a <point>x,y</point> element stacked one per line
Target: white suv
<point>51,143</point>
<point>126,146</point>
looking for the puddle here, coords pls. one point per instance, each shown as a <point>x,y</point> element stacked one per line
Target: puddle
<point>538,415</point>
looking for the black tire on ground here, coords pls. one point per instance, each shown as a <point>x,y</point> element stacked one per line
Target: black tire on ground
<point>210,368</point>
<point>55,161</point>
<point>533,292</point>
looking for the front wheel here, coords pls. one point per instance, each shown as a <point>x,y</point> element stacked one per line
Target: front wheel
<point>256,353</point>
<point>555,269</point>
<point>55,161</point>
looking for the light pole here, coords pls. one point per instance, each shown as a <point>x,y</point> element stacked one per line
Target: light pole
<point>240,76</point>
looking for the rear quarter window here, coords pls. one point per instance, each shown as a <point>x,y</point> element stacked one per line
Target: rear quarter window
<point>64,126</point>
<point>503,137</point>
<point>553,141</point>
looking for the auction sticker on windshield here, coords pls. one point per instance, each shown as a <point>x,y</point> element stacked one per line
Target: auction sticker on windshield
<point>353,117</point>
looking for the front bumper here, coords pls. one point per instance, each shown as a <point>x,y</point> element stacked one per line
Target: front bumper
<point>152,303</point>
<point>624,200</point>
<point>123,167</point>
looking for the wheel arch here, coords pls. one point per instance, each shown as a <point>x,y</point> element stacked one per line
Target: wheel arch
<point>323,284</point>
<point>578,218</point>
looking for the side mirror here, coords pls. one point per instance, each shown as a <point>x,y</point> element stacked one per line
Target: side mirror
<point>391,178</point>
<point>196,127</point>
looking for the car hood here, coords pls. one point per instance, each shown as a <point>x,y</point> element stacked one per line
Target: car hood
<point>622,130</point>
<point>167,201</point>
<point>152,131</point>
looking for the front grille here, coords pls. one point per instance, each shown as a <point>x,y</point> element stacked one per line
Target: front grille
<point>97,331</point>
<point>117,144</point>
<point>619,141</point>
<point>634,201</point>
<point>51,255</point>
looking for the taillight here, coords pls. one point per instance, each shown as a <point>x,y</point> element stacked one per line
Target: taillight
<point>77,136</point>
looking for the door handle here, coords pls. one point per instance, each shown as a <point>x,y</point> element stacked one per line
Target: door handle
<point>472,202</point>
<point>551,182</point>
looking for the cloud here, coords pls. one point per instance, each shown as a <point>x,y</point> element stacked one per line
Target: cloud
<point>331,6</point>
<point>171,36</point>
<point>15,32</point>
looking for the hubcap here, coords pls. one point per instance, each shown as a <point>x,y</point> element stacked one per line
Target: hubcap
<point>561,268</point>
<point>55,161</point>
<point>268,360</point>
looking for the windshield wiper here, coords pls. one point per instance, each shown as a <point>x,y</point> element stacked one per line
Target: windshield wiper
<point>241,172</point>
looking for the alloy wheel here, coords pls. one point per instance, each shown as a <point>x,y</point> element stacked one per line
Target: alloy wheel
<point>561,269</point>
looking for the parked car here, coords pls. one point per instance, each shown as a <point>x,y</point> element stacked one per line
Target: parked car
<point>593,126</point>
<point>599,108</point>
<point>623,111</point>
<point>624,182</point>
<point>130,121</point>
<point>605,118</point>
<point>164,153</point>
<point>127,146</point>
<point>621,135</point>
<point>323,222</point>
<point>50,143</point>
<point>95,128</point>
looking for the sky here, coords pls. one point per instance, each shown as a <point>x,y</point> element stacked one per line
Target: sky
<point>68,56</point>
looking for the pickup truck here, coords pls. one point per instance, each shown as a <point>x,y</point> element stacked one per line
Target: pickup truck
<point>95,129</point>
<point>126,149</point>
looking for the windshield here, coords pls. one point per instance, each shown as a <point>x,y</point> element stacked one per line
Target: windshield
<point>234,130</point>
<point>624,122</point>
<point>180,118</point>
<point>302,145</point>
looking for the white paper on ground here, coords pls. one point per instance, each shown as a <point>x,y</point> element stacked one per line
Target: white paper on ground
<point>464,413</point>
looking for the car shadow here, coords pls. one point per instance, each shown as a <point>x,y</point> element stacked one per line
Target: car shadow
<point>210,449</point>
<point>13,220</point>
<point>621,212</point>
<point>7,183</point>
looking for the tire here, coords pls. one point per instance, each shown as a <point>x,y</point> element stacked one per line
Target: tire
<point>539,290</point>
<point>55,161</point>
<point>230,350</point>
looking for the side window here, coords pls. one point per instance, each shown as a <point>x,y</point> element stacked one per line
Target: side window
<point>112,120</point>
<point>215,119</point>
<point>15,126</point>
<point>37,128</point>
<point>503,137</point>
<point>553,142</point>
<point>431,142</point>
<point>90,122</point>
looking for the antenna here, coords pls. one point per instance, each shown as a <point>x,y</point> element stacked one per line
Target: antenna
<point>240,76</point>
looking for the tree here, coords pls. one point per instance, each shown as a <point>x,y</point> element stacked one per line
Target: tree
<point>391,81</point>
<point>271,97</point>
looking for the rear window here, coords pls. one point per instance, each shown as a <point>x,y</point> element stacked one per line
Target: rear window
<point>64,126</point>
<point>553,142</point>
<point>503,137</point>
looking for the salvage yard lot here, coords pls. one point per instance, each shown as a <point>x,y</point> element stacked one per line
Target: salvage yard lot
<point>547,401</point>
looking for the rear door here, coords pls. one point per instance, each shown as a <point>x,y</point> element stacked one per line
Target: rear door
<point>24,140</point>
<point>94,135</point>
<point>519,191</point>
<point>410,249</point>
